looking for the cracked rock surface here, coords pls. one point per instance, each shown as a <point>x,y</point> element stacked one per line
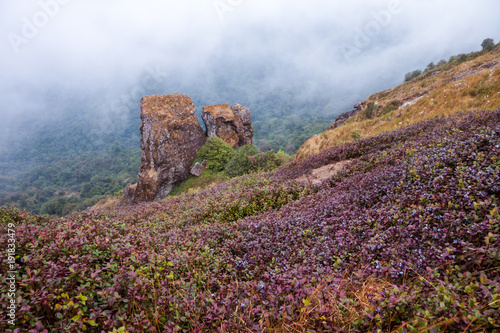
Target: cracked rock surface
<point>231,124</point>
<point>171,137</point>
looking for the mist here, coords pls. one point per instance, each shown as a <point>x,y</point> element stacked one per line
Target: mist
<point>97,59</point>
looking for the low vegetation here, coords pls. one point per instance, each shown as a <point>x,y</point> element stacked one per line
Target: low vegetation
<point>224,162</point>
<point>487,45</point>
<point>404,238</point>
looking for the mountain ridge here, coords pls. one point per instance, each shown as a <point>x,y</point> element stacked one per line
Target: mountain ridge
<point>453,87</point>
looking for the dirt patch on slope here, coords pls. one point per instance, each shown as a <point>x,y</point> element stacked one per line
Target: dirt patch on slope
<point>316,176</point>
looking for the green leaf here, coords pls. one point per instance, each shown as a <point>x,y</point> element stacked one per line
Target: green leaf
<point>82,298</point>
<point>494,212</point>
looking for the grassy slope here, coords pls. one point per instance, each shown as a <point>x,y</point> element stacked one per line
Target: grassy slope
<point>405,237</point>
<point>472,85</point>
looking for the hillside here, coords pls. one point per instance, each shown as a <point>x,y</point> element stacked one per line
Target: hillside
<point>465,82</point>
<point>404,236</point>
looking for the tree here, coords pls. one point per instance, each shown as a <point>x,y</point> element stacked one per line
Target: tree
<point>488,44</point>
<point>462,58</point>
<point>216,152</point>
<point>52,207</point>
<point>115,148</point>
<point>411,75</point>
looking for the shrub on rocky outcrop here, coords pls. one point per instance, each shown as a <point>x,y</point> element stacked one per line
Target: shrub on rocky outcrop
<point>217,153</point>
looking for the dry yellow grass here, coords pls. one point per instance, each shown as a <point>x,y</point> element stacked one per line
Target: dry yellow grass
<point>472,85</point>
<point>106,204</point>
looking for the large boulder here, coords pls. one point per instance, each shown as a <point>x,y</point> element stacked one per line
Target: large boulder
<point>231,124</point>
<point>171,137</point>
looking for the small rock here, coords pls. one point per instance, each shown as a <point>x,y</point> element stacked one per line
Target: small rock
<point>128,196</point>
<point>340,120</point>
<point>198,168</point>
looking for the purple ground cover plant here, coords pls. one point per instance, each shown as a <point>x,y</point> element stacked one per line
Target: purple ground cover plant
<point>404,238</point>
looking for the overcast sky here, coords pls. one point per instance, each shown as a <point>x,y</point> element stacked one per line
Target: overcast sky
<point>81,47</point>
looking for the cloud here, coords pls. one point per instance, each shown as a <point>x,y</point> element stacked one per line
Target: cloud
<point>87,48</point>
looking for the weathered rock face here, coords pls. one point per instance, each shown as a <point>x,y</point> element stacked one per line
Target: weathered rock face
<point>231,124</point>
<point>220,122</point>
<point>245,131</point>
<point>128,195</point>
<point>171,137</point>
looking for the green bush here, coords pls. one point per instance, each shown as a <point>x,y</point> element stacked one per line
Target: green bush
<point>392,106</point>
<point>239,165</point>
<point>217,153</point>
<point>411,75</point>
<point>52,207</point>
<point>356,134</point>
<point>268,161</point>
<point>370,110</point>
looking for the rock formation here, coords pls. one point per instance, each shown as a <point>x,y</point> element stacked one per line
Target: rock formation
<point>231,124</point>
<point>171,137</point>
